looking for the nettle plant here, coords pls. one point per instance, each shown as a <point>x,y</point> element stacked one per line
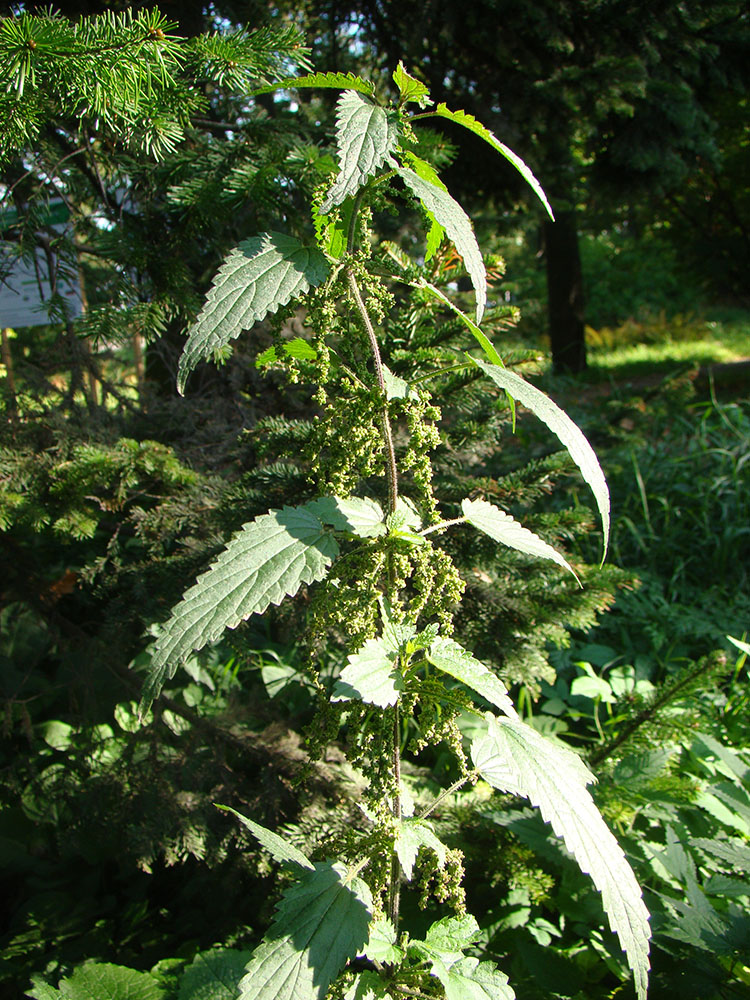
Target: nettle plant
<point>384,586</point>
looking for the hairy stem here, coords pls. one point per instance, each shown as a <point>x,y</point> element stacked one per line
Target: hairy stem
<point>449,791</point>
<point>390,452</point>
<point>394,889</point>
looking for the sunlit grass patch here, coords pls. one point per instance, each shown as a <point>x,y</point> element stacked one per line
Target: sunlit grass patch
<point>663,343</point>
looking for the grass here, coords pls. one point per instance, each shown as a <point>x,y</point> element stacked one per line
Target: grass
<point>662,344</point>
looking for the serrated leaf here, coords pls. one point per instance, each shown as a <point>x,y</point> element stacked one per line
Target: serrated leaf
<point>514,758</point>
<point>332,230</point>
<point>322,922</point>
<point>359,515</point>
<point>366,136</point>
<point>382,946</point>
<point>276,846</point>
<point>337,81</point>
<point>641,768</point>
<point>371,676</point>
<point>504,528</point>
<point>450,657</point>
<point>470,979</point>
<point>396,387</point>
<point>268,559</point>
<point>102,981</point>
<point>213,975</point>
<point>560,424</point>
<point>395,634</point>
<point>367,986</point>
<point>457,224</point>
<point>446,939</point>
<point>436,232</point>
<point>470,122</point>
<point>733,853</point>
<point>257,277</point>
<point>410,88</point>
<point>300,349</point>
<point>411,835</point>
<point>478,334</point>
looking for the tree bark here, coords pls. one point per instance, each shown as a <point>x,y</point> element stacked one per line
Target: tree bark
<point>565,294</point>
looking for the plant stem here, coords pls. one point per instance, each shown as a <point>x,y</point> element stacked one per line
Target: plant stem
<point>394,889</point>
<point>449,791</point>
<point>442,524</point>
<point>390,452</point>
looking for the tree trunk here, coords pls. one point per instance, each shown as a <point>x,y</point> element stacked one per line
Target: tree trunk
<point>565,294</point>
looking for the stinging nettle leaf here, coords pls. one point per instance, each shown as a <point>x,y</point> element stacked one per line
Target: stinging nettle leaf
<point>213,975</point>
<point>410,88</point>
<point>322,922</point>
<point>436,232</point>
<point>457,224</point>
<point>446,939</point>
<point>470,979</point>
<point>411,835</point>
<point>382,945</point>
<point>515,758</point>
<point>268,559</point>
<point>359,515</point>
<point>276,846</point>
<point>470,122</point>
<point>366,135</point>
<point>503,528</point>
<point>257,277</point>
<point>371,676</point>
<point>450,657</point>
<point>566,430</point>
<point>337,81</point>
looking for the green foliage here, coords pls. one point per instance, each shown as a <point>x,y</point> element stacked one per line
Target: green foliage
<point>387,564</point>
<point>104,527</point>
<point>262,274</point>
<point>321,922</point>
<point>268,560</point>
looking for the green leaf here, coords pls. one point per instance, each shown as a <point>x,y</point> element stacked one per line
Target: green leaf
<point>450,657</point>
<point>411,835</point>
<point>397,388</point>
<point>515,758</point>
<point>359,516</point>
<point>733,853</point>
<point>333,230</point>
<point>436,232</point>
<point>479,335</point>
<point>366,136</point>
<point>560,424</point>
<point>322,922</point>
<point>457,224</point>
<point>368,986</point>
<point>214,975</point>
<point>504,528</point>
<point>338,81</point>
<point>268,559</point>
<point>410,88</point>
<point>371,676</point>
<point>382,946</point>
<point>276,846</point>
<point>470,979</point>
<point>743,647</point>
<point>257,277</point>
<point>592,687</point>
<point>446,939</point>
<point>470,122</point>
<point>101,981</point>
